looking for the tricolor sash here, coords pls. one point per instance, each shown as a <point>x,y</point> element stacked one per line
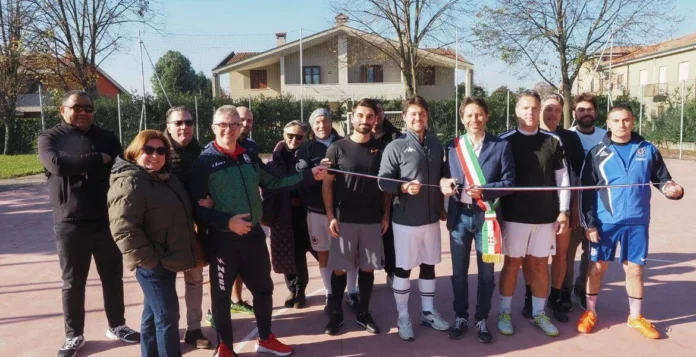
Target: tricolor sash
<point>491,239</point>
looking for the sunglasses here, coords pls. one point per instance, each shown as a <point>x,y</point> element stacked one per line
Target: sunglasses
<point>79,108</point>
<point>297,137</point>
<point>227,125</point>
<point>160,150</point>
<point>179,123</point>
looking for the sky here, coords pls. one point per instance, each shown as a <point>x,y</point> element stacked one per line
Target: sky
<point>205,31</point>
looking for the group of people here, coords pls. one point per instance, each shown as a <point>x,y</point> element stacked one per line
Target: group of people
<point>370,201</point>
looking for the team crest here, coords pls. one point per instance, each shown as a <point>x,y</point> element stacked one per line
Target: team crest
<point>246,158</point>
<point>640,152</point>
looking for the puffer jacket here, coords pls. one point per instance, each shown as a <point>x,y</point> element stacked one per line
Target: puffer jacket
<point>150,218</point>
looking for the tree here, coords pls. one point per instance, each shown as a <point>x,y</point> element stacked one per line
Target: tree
<point>80,34</point>
<point>412,22</point>
<point>557,38</point>
<point>178,77</point>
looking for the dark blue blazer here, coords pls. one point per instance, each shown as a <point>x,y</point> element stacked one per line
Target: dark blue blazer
<point>498,168</point>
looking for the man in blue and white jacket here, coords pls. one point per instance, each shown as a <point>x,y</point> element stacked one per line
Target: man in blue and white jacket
<point>621,214</point>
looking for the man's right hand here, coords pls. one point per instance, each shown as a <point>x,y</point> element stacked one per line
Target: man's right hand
<point>107,158</point>
<point>239,225</point>
<point>412,187</point>
<point>592,235</point>
<point>333,227</point>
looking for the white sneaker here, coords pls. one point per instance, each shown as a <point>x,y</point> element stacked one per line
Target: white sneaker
<point>544,323</point>
<point>405,329</point>
<point>505,323</point>
<point>433,320</point>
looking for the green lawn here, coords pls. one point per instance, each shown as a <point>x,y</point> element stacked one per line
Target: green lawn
<point>19,165</point>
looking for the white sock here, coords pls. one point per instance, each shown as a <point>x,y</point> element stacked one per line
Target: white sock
<point>635,305</point>
<point>326,279</point>
<point>402,290</point>
<point>537,305</point>
<point>506,304</point>
<point>352,280</point>
<point>427,292</point>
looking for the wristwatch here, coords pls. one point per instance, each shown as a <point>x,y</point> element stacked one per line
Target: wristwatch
<point>567,213</point>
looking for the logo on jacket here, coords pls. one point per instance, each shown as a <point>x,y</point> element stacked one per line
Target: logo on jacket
<point>246,158</point>
<point>217,164</point>
<point>640,152</point>
<point>409,149</point>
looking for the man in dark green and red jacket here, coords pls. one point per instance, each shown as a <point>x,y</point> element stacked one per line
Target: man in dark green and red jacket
<point>235,242</point>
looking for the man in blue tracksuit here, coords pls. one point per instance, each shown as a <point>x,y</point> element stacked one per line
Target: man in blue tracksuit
<point>621,214</point>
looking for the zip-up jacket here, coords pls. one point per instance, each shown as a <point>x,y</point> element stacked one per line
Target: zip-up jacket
<point>234,186</point>
<point>183,158</point>
<point>407,159</point>
<point>78,178</point>
<point>310,155</point>
<point>621,205</point>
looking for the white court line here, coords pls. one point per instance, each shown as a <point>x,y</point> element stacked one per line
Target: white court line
<point>253,332</point>
<point>669,261</point>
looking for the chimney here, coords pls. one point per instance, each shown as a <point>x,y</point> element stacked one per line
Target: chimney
<point>341,20</point>
<point>280,38</point>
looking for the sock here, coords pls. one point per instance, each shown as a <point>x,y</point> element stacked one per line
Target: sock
<point>635,305</point>
<point>338,284</point>
<point>506,304</point>
<point>352,280</point>
<point>537,305</point>
<point>427,291</point>
<point>555,294</point>
<point>591,300</point>
<point>402,290</point>
<point>365,281</point>
<point>528,291</point>
<point>326,278</point>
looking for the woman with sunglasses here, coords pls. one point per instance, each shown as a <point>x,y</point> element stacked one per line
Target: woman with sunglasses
<point>287,218</point>
<point>151,221</point>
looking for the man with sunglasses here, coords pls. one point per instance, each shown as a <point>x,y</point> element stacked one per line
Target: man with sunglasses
<point>186,150</point>
<point>77,156</point>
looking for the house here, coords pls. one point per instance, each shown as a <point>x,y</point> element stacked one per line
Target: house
<point>649,73</point>
<point>336,64</point>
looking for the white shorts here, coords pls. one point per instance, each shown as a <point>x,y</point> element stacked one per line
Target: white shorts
<point>417,245</point>
<point>319,235</point>
<point>521,239</point>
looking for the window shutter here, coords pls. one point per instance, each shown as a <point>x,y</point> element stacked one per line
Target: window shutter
<point>379,74</point>
<point>363,74</point>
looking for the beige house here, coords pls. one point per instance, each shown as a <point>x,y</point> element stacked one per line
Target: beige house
<point>336,64</point>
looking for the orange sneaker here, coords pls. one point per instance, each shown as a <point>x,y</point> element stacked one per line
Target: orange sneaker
<point>644,326</point>
<point>272,345</point>
<point>587,322</point>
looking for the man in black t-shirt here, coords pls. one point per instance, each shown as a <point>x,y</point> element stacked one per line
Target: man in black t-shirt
<point>356,218</point>
<point>532,218</point>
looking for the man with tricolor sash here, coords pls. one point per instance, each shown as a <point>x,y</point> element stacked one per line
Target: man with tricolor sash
<point>475,160</point>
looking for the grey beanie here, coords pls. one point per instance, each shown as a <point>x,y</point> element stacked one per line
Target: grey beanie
<point>318,113</point>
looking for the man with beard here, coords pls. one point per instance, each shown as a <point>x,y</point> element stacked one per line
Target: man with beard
<point>356,219</point>
<point>417,158</point>
<point>585,113</point>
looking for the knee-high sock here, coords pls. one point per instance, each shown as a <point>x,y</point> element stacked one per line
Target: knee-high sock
<point>402,290</point>
<point>352,280</point>
<point>338,284</point>
<point>326,279</point>
<point>427,292</point>
<point>365,281</point>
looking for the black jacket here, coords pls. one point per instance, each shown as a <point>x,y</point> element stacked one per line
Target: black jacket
<point>183,158</point>
<point>391,132</point>
<point>574,153</point>
<point>310,155</point>
<point>78,179</point>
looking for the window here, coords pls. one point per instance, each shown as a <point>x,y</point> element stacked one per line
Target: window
<point>372,74</point>
<point>259,79</point>
<point>312,74</point>
<point>662,80</point>
<point>643,74</point>
<point>683,71</point>
<point>425,76</point>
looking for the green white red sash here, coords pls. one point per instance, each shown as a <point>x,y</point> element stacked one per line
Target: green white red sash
<point>491,238</point>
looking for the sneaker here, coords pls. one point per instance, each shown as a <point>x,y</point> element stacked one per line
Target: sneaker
<point>71,345</point>
<point>365,320</point>
<point>328,308</point>
<point>242,307</point>
<point>405,329</point>
<point>290,300</point>
<point>335,323</point>
<point>482,333</point>
<point>505,323</point>
<point>579,298</point>
<point>565,300</point>
<point>644,326</point>
<point>353,301</point>
<point>433,320</point>
<point>587,322</point>
<point>300,300</point>
<point>209,319</point>
<point>272,345</point>
<point>544,323</point>
<point>527,309</point>
<point>390,281</point>
<point>559,313</point>
<point>196,339</point>
<point>123,333</point>
<point>457,330</point>
<point>223,351</point>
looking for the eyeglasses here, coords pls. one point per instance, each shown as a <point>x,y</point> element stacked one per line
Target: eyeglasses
<point>160,150</point>
<point>179,123</point>
<point>297,137</point>
<point>80,108</point>
<point>227,125</point>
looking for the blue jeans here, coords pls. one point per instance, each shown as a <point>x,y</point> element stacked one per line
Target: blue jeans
<point>159,329</point>
<point>466,229</point>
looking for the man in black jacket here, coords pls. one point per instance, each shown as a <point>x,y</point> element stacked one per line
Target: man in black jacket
<point>77,156</point>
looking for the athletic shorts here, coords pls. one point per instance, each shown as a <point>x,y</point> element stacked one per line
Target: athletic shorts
<point>522,239</point>
<point>318,226</point>
<point>633,238</point>
<point>358,245</point>
<point>416,245</point>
